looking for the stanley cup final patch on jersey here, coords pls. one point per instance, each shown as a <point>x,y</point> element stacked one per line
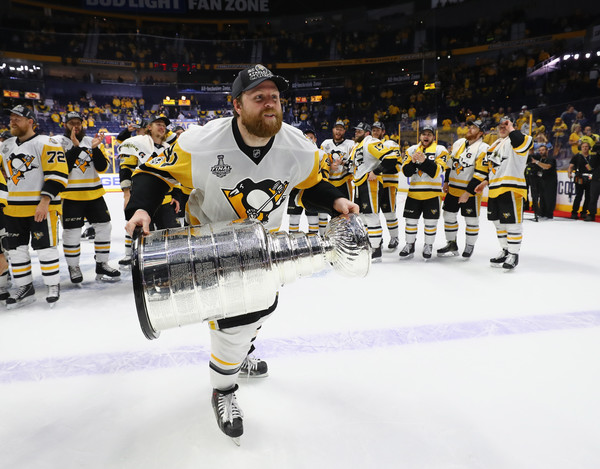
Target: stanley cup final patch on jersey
<point>19,165</point>
<point>256,200</point>
<point>221,169</point>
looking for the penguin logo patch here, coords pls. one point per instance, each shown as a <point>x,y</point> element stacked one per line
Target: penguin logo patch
<point>256,200</point>
<point>83,162</point>
<point>19,165</point>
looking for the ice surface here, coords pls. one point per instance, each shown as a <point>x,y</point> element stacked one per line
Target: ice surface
<point>441,364</point>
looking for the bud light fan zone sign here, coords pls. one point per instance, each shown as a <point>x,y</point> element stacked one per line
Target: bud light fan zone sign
<point>181,6</point>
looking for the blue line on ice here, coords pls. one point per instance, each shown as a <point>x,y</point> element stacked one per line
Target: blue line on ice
<point>126,362</point>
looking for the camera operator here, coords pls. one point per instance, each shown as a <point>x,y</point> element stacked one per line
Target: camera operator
<point>580,166</point>
<point>544,183</point>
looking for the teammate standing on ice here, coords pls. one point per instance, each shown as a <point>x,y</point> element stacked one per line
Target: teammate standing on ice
<point>466,153</point>
<point>424,164</point>
<point>84,199</point>
<point>503,169</point>
<point>36,172</point>
<point>238,167</point>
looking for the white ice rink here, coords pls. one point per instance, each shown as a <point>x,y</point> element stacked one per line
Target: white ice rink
<point>441,364</point>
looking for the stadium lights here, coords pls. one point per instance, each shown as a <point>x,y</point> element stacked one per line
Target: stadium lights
<point>576,56</point>
<point>566,57</point>
<point>598,53</point>
<point>588,55</point>
<point>183,98</point>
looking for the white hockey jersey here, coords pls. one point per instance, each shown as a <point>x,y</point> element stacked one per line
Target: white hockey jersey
<point>33,168</point>
<point>340,151</point>
<point>134,152</point>
<point>462,162</point>
<point>506,166</point>
<point>84,181</point>
<point>227,183</point>
<point>422,185</point>
<point>368,155</point>
<point>391,179</point>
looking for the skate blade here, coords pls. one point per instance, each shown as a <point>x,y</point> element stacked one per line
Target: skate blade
<point>376,260</point>
<point>250,376</point>
<point>102,278</point>
<point>405,258</point>
<point>21,303</point>
<point>236,440</point>
<point>447,254</point>
<point>125,267</point>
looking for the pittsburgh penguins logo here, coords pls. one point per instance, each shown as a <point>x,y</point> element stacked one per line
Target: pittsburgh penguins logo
<point>495,161</point>
<point>462,163</point>
<point>83,160</point>
<point>19,165</point>
<point>256,200</point>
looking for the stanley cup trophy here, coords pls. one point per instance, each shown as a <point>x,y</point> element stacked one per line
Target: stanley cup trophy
<point>199,273</point>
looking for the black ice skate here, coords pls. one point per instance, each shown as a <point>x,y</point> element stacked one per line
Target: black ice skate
<point>253,368</point>
<point>499,259</point>
<point>75,274</point>
<point>512,260</point>
<point>23,296</point>
<point>427,250</point>
<point>468,252</point>
<point>408,251</point>
<point>105,273</point>
<point>393,244</point>
<point>53,294</point>
<point>449,250</point>
<point>229,415</point>
<point>125,263</point>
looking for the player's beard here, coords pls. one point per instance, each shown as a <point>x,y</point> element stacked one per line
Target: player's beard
<point>79,135</point>
<point>18,131</point>
<point>261,127</point>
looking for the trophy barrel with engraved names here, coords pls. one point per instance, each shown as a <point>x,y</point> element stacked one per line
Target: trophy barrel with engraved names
<point>199,273</point>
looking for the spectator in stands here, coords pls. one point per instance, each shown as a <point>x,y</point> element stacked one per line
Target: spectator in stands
<point>559,132</point>
<point>590,137</point>
<point>575,138</point>
<point>581,119</point>
<point>569,116</point>
<point>579,170</point>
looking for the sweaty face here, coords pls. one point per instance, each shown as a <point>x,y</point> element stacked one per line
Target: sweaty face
<point>472,132</point>
<point>377,133</point>
<point>503,131</point>
<point>338,133</point>
<point>359,135</point>
<point>260,110</point>
<point>158,129</point>
<point>426,138</point>
<point>19,125</point>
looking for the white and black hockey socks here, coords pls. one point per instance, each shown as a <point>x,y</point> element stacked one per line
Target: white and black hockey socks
<point>20,264</point>
<point>72,245</point>
<point>510,236</point>
<point>102,241</point>
<point>391,220</point>
<point>374,229</point>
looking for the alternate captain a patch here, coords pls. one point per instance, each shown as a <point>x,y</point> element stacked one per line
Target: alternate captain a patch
<point>256,200</point>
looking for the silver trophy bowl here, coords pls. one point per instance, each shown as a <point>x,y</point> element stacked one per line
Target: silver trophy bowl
<point>200,273</point>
